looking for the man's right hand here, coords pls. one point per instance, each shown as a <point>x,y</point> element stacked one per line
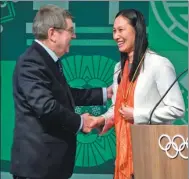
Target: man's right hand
<point>101,124</point>
<point>97,122</point>
<point>87,120</point>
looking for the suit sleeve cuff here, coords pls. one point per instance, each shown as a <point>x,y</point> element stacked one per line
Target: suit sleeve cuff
<point>104,92</point>
<point>81,125</point>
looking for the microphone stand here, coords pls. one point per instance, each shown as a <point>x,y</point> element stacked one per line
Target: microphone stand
<point>150,118</point>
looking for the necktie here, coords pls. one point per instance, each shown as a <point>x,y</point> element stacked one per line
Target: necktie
<point>59,64</point>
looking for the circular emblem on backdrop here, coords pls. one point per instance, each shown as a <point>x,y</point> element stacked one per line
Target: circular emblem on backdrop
<point>3,4</point>
<point>89,72</point>
<point>173,18</point>
<point>7,13</point>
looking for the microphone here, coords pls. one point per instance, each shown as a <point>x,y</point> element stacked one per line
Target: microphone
<point>150,118</point>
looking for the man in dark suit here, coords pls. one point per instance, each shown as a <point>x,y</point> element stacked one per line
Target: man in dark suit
<point>46,126</point>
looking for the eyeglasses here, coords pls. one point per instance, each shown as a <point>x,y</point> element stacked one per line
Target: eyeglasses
<point>71,30</point>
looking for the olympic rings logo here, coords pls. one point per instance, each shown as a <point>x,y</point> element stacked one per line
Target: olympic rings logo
<point>172,144</point>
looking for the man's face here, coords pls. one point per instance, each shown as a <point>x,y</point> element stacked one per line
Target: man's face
<point>63,38</point>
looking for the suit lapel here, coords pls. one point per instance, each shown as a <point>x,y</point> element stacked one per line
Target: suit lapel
<point>67,86</point>
<point>55,70</point>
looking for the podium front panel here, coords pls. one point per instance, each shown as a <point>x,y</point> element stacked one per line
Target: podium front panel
<point>160,151</point>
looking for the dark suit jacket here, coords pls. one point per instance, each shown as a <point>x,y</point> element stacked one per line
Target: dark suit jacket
<point>44,143</point>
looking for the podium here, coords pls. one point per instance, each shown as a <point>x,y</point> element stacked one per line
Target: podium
<point>160,151</point>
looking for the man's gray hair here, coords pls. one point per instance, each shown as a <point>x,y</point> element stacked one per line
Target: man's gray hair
<point>49,16</point>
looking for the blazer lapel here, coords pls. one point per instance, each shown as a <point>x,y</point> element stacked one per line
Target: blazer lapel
<point>53,66</point>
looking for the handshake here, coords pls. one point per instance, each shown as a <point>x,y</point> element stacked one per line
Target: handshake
<point>91,122</point>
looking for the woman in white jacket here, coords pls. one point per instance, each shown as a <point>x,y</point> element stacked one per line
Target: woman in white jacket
<point>140,80</point>
<point>156,76</point>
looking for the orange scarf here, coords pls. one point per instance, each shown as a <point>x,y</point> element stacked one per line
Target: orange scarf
<point>125,94</point>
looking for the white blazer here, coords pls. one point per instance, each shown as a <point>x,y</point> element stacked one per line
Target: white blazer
<point>156,76</point>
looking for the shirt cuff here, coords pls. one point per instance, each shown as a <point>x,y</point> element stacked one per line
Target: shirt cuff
<point>81,125</point>
<point>104,92</point>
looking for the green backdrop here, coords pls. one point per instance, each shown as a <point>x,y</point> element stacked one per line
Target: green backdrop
<point>90,62</point>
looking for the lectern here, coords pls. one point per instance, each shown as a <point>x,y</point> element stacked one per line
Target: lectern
<point>160,151</point>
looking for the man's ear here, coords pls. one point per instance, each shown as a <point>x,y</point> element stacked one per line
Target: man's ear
<point>52,34</point>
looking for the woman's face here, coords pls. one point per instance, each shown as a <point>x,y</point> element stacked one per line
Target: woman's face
<point>124,34</point>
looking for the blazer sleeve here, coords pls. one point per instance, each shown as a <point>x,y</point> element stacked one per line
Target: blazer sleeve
<point>173,104</point>
<point>110,113</point>
<point>87,97</point>
<point>35,86</point>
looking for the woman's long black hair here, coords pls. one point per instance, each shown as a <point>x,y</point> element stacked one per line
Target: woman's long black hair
<point>137,21</point>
